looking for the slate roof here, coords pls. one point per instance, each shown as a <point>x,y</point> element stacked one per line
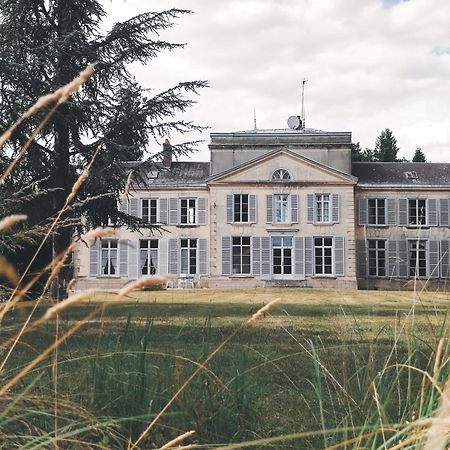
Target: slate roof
<point>394,174</point>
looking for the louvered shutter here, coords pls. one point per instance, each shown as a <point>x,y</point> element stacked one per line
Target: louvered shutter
<point>173,212</point>
<point>432,209</point>
<point>339,256</point>
<point>203,256</point>
<point>134,207</point>
<point>392,258</point>
<point>403,212</point>
<point>163,250</point>
<point>433,259</point>
<point>123,257</point>
<point>310,207</point>
<point>202,203</point>
<point>265,257</point>
<point>362,211</point>
<point>252,208</point>
<point>256,255</point>
<point>269,208</point>
<point>361,255</point>
<point>164,211</point>
<point>391,213</point>
<point>229,208</point>
<point>294,208</point>
<point>335,204</point>
<point>226,255</point>
<point>402,258</point>
<point>122,205</point>
<point>309,260</point>
<point>94,258</point>
<point>173,256</point>
<point>299,257</point>
<point>444,212</point>
<point>445,259</point>
<point>133,259</point>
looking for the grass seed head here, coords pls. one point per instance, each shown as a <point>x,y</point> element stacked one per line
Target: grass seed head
<point>10,221</point>
<point>144,282</point>
<point>99,233</point>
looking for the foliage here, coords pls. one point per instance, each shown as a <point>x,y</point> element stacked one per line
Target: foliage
<point>359,155</point>
<point>419,155</point>
<point>386,147</point>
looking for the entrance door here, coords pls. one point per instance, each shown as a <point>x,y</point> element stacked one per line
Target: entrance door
<point>282,257</point>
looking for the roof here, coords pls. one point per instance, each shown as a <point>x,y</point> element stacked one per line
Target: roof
<point>394,174</point>
<point>281,131</point>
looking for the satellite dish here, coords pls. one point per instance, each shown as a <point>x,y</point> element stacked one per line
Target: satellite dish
<point>295,122</point>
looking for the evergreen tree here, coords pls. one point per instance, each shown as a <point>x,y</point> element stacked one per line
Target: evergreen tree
<point>386,147</point>
<point>419,155</point>
<point>359,155</point>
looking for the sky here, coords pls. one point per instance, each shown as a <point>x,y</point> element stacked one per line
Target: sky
<point>370,65</point>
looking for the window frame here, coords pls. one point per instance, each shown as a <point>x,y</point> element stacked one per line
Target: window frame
<point>157,207</point>
<point>282,171</point>
<point>377,222</point>
<point>240,212</point>
<point>237,250</point>
<point>287,208</point>
<point>188,200</point>
<point>148,251</point>
<point>323,247</point>
<point>192,253</point>
<point>417,210</point>
<point>109,250</point>
<point>376,251</point>
<point>412,269</point>
<point>321,202</point>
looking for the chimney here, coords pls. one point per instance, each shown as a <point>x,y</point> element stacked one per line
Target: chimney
<point>167,154</point>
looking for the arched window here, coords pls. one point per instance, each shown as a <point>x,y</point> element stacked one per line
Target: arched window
<point>281,174</point>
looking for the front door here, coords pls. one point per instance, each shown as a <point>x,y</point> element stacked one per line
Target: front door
<point>282,257</point>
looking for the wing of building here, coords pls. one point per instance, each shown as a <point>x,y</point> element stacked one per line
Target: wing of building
<point>281,207</point>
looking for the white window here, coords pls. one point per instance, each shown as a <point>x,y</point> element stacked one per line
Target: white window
<point>148,256</point>
<point>323,208</point>
<point>417,212</point>
<point>188,215</point>
<point>241,254</point>
<point>323,255</point>
<point>376,211</point>
<point>188,256</point>
<point>281,204</point>
<point>417,258</point>
<point>377,257</point>
<point>240,208</point>
<point>150,210</point>
<point>109,257</point>
<point>280,175</point>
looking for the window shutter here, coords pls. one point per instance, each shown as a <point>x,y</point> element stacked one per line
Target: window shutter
<point>122,205</point>
<point>339,256</point>
<point>134,207</point>
<point>335,200</point>
<point>361,255</point>
<point>203,256</point>
<point>309,256</point>
<point>173,256</point>
<point>432,209</point>
<point>443,212</point>
<point>433,259</point>
<point>226,255</point>
<point>269,208</point>
<point>256,255</point>
<point>94,258</point>
<point>362,211</point>
<point>230,208</point>
<point>202,210</point>
<point>402,258</point>
<point>294,208</point>
<point>133,266</point>
<point>173,213</point>
<point>392,258</point>
<point>299,257</point>
<point>310,206</point>
<point>391,214</point>
<point>164,211</point>
<point>403,212</point>
<point>163,253</point>
<point>123,257</point>
<point>445,259</point>
<point>265,257</point>
<point>252,208</point>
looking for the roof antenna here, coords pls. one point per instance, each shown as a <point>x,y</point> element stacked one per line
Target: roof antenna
<point>303,102</point>
<point>254,119</point>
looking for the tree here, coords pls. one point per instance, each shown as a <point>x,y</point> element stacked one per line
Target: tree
<point>419,155</point>
<point>386,147</point>
<point>44,45</point>
<point>360,155</point>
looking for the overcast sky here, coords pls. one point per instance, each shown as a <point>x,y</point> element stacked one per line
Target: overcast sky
<point>371,64</point>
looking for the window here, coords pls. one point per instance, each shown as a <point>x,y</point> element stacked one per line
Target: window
<point>148,256</point>
<point>417,258</point>
<point>323,206</point>
<point>280,175</point>
<point>240,212</point>
<point>281,204</point>
<point>377,257</point>
<point>188,256</point>
<point>109,257</point>
<point>377,211</point>
<point>417,212</point>
<point>188,211</point>
<point>241,255</point>
<point>323,255</point>
<point>150,211</point>
<point>281,255</point>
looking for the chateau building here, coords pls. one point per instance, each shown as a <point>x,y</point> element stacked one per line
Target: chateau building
<point>281,207</point>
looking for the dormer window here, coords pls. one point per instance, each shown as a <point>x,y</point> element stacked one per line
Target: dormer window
<point>411,175</point>
<point>281,175</point>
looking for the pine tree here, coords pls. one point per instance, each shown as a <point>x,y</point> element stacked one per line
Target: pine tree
<point>419,155</point>
<point>386,147</point>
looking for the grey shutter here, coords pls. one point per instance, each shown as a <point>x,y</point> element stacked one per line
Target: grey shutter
<point>299,257</point>
<point>252,208</point>
<point>433,259</point>
<point>134,207</point>
<point>402,258</point>
<point>133,259</point>
<point>173,256</point>
<point>443,212</point>
<point>203,256</point>
<point>256,255</point>
<point>269,208</point>
<point>94,258</point>
<point>230,198</point>
<point>339,256</point>
<point>164,211</point>
<point>163,262</point>
<point>123,258</point>
<point>392,258</point>
<point>361,255</point>
<point>226,255</point>
<point>310,207</point>
<point>202,210</point>
<point>391,213</point>
<point>432,209</point>
<point>403,212</point>
<point>294,208</point>
<point>309,260</point>
<point>265,257</point>
<point>335,204</point>
<point>445,259</point>
<point>362,211</point>
<point>173,212</point>
<point>122,205</point>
